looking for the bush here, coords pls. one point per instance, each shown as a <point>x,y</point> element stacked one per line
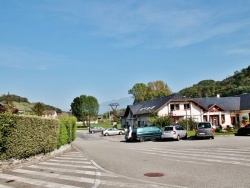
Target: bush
<point>188,122</point>
<point>67,130</point>
<point>25,136</point>
<point>161,121</point>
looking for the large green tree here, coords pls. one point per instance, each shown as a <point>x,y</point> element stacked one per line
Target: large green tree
<point>142,92</point>
<point>38,108</point>
<point>139,92</point>
<point>158,89</point>
<point>85,108</point>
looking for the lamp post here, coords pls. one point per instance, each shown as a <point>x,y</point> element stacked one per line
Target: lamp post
<point>186,112</point>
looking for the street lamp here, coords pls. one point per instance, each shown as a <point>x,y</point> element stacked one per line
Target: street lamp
<point>186,112</point>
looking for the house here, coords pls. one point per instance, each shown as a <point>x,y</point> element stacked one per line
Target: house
<point>224,111</point>
<point>49,114</point>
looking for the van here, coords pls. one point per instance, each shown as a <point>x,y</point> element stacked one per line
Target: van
<point>204,130</point>
<point>144,133</point>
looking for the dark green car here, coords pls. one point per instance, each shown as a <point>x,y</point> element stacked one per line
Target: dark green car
<point>144,133</point>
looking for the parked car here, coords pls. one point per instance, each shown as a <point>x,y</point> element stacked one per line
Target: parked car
<point>175,132</point>
<point>204,130</point>
<point>112,131</point>
<point>94,129</point>
<point>244,131</point>
<point>144,133</point>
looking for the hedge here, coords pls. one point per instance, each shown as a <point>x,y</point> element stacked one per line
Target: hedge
<point>67,130</point>
<point>25,136</point>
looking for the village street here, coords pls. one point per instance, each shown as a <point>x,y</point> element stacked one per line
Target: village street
<point>109,161</point>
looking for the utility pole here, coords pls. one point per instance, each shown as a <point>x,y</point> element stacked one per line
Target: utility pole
<point>114,107</point>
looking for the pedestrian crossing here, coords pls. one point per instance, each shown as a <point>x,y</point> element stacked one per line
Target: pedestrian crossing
<point>69,170</point>
<point>208,156</point>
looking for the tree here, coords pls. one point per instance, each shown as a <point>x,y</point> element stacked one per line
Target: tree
<point>139,92</point>
<point>161,121</point>
<point>85,108</point>
<point>38,108</point>
<point>158,89</point>
<point>142,92</point>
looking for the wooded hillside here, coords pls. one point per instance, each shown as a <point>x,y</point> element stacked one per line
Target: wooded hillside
<point>237,84</point>
<point>22,103</point>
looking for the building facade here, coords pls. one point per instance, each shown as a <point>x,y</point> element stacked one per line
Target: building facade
<point>223,111</point>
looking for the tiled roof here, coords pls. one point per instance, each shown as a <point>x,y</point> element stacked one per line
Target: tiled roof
<point>240,102</point>
<point>226,103</point>
<point>245,101</point>
<point>152,105</point>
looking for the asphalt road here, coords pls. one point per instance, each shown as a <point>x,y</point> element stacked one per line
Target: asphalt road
<point>97,161</point>
<point>222,162</point>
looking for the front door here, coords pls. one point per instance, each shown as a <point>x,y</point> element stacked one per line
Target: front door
<point>214,120</point>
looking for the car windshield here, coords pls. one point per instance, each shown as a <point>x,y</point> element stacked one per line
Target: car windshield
<point>204,125</point>
<point>168,128</point>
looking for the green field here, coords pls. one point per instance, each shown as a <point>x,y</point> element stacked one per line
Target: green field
<point>105,125</point>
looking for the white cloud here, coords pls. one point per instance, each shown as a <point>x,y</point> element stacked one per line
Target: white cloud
<point>239,51</point>
<point>150,23</point>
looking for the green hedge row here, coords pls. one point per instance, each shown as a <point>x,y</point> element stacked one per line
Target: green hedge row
<point>25,136</point>
<point>67,130</point>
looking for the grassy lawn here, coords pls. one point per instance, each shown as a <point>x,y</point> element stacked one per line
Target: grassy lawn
<point>105,125</point>
<point>192,133</point>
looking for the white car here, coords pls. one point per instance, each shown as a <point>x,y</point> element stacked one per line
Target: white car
<point>175,132</point>
<point>112,131</point>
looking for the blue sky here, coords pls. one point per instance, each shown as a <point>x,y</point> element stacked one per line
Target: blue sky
<point>52,51</point>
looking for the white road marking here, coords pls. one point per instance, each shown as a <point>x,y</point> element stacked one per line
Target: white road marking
<point>57,176</point>
<point>66,165</point>
<point>66,161</point>
<point>36,182</point>
<point>197,156</point>
<point>71,171</point>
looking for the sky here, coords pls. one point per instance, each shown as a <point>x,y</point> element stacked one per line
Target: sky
<point>53,51</point>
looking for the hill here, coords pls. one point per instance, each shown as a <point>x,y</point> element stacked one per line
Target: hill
<point>22,103</point>
<point>237,84</point>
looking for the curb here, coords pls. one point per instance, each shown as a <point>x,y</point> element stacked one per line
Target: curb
<point>10,164</point>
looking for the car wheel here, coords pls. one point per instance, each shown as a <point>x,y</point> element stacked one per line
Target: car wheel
<point>212,137</point>
<point>186,136</point>
<point>92,132</point>
<point>178,137</point>
<point>120,133</point>
<point>106,134</point>
<point>142,139</point>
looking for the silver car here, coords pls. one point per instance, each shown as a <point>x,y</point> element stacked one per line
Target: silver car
<point>204,130</point>
<point>112,131</point>
<point>175,132</point>
<point>94,129</point>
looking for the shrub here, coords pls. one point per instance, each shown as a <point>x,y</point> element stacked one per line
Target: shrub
<point>161,121</point>
<point>67,130</point>
<point>188,122</point>
<point>25,136</point>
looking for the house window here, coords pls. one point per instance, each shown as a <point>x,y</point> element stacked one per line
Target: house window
<point>174,107</point>
<point>186,106</point>
<point>222,119</point>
